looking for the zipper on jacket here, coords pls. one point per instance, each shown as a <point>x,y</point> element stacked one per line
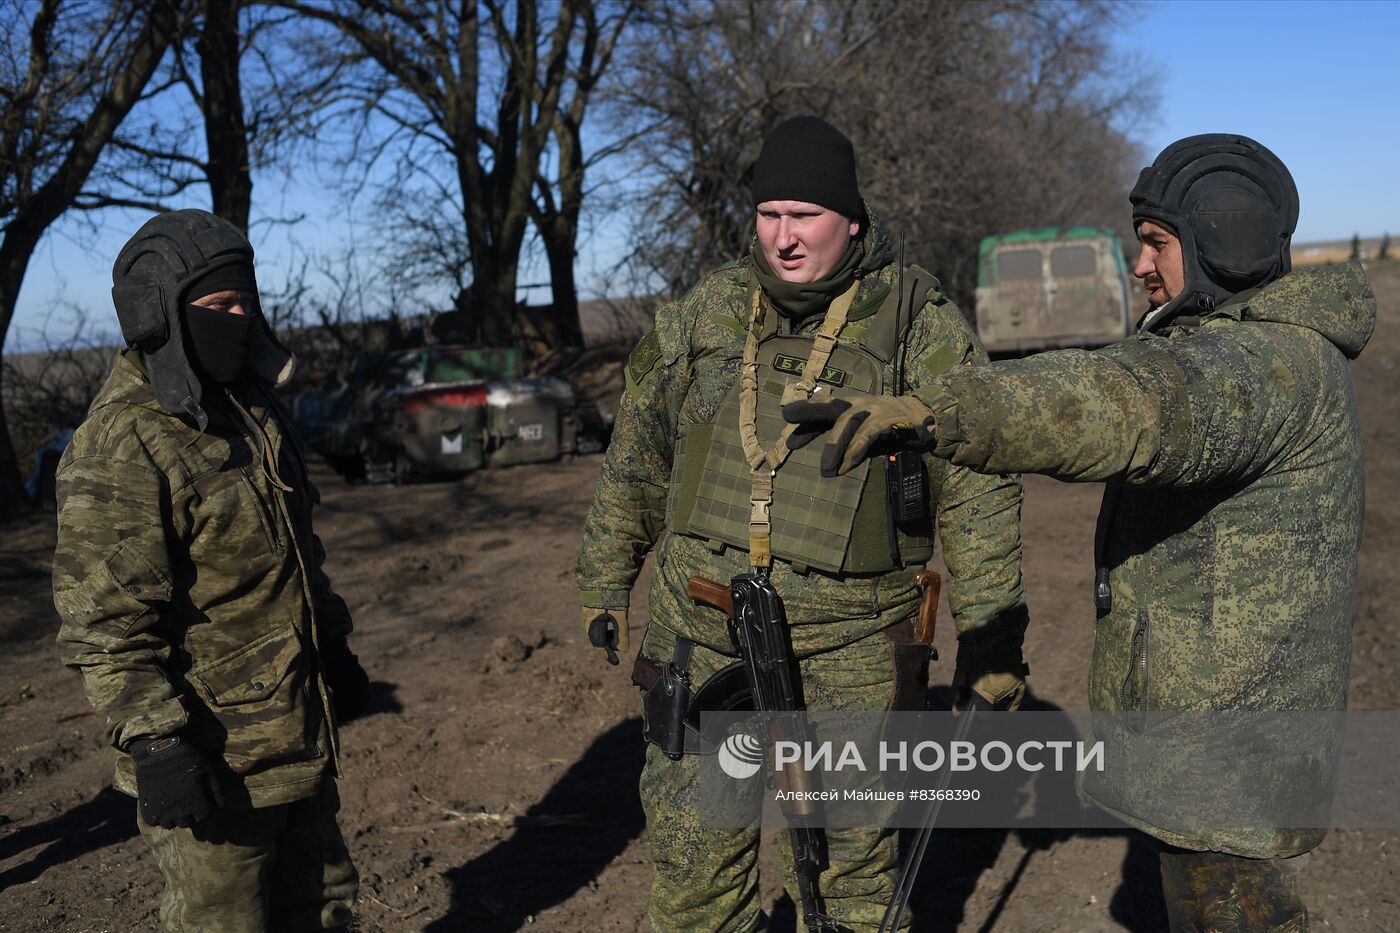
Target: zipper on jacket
<point>265,514</point>
<point>1132,695</point>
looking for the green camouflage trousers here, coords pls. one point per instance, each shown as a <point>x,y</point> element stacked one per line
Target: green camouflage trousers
<point>282,869</point>
<point>1212,891</point>
<point>706,877</point>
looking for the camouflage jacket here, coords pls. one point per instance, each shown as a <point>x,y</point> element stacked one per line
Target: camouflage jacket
<point>190,588</point>
<point>680,375</point>
<point>1232,550</point>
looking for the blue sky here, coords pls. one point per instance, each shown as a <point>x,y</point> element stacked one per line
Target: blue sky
<point>1313,81</point>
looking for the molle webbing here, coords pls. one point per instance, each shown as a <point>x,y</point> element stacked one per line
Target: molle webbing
<point>765,464</point>
<point>836,525</point>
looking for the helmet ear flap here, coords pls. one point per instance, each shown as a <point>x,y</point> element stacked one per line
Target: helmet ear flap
<point>140,308</point>
<point>1238,236</point>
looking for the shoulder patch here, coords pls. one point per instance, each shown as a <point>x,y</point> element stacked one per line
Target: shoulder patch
<point>644,357</point>
<point>942,358</point>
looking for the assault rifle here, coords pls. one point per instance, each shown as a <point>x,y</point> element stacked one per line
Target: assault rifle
<point>758,626</point>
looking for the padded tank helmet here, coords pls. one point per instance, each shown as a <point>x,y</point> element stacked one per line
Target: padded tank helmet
<point>1234,207</point>
<point>150,279</point>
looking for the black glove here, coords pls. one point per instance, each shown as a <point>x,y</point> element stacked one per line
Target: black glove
<point>347,679</point>
<point>175,785</point>
<point>607,631</point>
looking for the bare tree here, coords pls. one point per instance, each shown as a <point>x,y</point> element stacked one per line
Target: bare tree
<point>328,327</point>
<point>429,70</point>
<point>702,82</point>
<point>259,96</point>
<point>254,100</point>
<point>66,85</point>
<point>969,118</point>
<point>220,98</point>
<point>48,390</point>
<point>558,203</point>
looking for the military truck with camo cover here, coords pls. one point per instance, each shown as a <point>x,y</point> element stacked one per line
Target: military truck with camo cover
<point>1052,287</point>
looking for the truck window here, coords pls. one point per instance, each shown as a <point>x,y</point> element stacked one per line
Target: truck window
<point>1019,265</point>
<point>1071,261</point>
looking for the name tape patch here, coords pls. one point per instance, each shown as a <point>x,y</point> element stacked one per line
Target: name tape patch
<point>794,366</point>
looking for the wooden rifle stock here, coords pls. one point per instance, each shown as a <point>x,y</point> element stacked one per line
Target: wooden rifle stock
<point>931,583</point>
<point>709,593</point>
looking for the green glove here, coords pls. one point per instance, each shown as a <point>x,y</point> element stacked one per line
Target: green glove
<point>1004,690</point>
<point>856,426</point>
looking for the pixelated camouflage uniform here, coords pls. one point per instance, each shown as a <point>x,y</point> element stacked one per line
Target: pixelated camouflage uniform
<point>1232,552</point>
<point>192,597</point>
<point>677,381</point>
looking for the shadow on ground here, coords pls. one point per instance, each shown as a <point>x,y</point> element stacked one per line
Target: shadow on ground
<point>957,859</point>
<point>565,841</point>
<point>382,699</point>
<point>106,819</point>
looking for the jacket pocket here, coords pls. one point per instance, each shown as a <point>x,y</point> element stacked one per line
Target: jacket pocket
<point>258,697</point>
<point>229,505</point>
<point>1132,694</point>
<point>119,594</point>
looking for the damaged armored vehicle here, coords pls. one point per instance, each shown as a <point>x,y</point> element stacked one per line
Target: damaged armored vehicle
<point>442,410</point>
<point>1053,287</point>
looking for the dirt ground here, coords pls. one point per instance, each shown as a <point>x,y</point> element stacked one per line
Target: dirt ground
<point>494,784</point>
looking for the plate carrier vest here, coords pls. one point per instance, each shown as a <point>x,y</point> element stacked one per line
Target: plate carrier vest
<point>837,525</point>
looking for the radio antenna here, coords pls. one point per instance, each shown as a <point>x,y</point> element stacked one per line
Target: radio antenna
<point>898,330</point>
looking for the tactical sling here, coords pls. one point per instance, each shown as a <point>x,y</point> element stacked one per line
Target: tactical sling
<point>718,494</point>
<point>766,463</point>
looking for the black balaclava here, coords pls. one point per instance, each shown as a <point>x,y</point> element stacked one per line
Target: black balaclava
<point>218,341</point>
<point>151,285</point>
<point>808,159</point>
<point>1233,205</point>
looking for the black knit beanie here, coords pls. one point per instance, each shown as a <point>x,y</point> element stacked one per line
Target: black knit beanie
<point>808,159</point>
<point>230,277</point>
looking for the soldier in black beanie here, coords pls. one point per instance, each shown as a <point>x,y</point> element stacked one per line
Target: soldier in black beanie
<point>818,307</point>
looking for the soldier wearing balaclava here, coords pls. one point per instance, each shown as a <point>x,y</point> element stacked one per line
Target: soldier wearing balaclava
<point>193,597</point>
<point>173,261</point>
<point>1225,557</point>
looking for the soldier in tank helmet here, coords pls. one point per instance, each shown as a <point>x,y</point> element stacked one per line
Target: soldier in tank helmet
<point>819,305</point>
<point>192,596</point>
<point>1226,430</point>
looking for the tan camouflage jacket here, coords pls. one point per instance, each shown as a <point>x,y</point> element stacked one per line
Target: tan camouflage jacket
<point>190,588</point>
<point>680,375</point>
<point>1232,553</point>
